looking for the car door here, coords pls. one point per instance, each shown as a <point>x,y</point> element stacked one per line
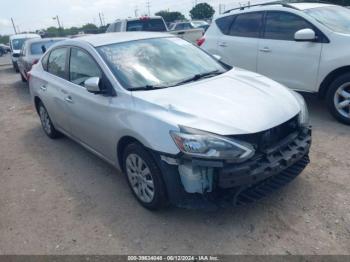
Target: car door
<point>238,46</point>
<point>89,113</point>
<point>53,87</point>
<point>280,57</point>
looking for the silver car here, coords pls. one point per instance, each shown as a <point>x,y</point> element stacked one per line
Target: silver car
<point>184,128</point>
<point>31,52</point>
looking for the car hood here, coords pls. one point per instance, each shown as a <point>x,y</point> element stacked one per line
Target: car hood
<point>237,102</point>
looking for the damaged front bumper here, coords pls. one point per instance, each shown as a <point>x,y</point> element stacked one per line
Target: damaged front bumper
<point>198,183</point>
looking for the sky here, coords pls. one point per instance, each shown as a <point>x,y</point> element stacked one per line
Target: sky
<point>31,15</point>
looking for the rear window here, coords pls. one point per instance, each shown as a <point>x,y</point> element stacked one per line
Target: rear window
<point>40,47</point>
<point>224,23</point>
<point>151,25</point>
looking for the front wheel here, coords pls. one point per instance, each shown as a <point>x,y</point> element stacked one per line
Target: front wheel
<point>46,123</point>
<point>144,177</point>
<point>338,98</point>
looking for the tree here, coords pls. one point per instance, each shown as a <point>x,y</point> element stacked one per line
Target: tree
<point>202,11</point>
<point>170,16</point>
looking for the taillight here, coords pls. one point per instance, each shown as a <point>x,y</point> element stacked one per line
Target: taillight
<point>200,41</point>
<point>35,61</point>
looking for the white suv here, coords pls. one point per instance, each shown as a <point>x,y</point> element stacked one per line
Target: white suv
<point>301,45</point>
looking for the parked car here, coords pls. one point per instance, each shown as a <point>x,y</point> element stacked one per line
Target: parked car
<point>153,24</point>
<point>16,43</point>
<point>5,49</point>
<point>189,25</point>
<point>300,45</point>
<point>183,128</point>
<point>31,52</point>
<point>2,51</point>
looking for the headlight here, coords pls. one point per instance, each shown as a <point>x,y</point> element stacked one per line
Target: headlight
<point>206,145</point>
<point>304,112</point>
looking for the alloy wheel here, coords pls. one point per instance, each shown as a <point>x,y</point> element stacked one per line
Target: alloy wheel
<point>342,100</point>
<point>45,120</point>
<point>140,178</point>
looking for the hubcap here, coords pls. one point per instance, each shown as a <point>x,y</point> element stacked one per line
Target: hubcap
<point>45,120</point>
<point>342,100</point>
<point>140,178</point>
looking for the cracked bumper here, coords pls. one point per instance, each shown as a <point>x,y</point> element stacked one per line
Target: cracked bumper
<point>236,184</point>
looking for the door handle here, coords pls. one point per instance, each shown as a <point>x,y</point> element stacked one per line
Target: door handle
<point>69,99</point>
<point>265,49</point>
<point>223,44</point>
<point>43,87</point>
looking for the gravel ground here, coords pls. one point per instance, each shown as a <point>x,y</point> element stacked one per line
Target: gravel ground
<point>57,198</point>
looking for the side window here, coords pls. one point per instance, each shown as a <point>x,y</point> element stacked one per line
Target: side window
<point>224,23</point>
<point>44,61</point>
<point>57,62</point>
<point>283,25</point>
<point>82,67</point>
<point>179,27</point>
<point>247,25</point>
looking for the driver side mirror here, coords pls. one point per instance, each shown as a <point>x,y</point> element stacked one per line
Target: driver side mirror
<point>305,35</point>
<point>92,85</point>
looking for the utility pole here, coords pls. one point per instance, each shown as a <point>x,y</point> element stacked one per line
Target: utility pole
<point>14,27</point>
<point>136,10</point>
<point>148,5</point>
<point>99,15</point>
<point>58,21</point>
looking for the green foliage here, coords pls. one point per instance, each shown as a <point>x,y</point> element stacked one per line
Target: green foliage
<point>170,16</point>
<point>202,11</point>
<point>87,29</point>
<point>4,39</point>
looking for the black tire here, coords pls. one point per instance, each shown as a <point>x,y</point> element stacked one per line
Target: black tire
<point>332,96</point>
<point>159,199</point>
<point>46,122</point>
<point>23,79</point>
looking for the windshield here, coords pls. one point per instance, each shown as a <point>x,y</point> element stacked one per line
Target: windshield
<point>336,18</point>
<point>18,43</point>
<point>151,25</point>
<point>40,47</point>
<point>157,62</point>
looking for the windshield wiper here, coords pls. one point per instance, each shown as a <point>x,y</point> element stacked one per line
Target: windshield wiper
<point>199,76</point>
<point>147,87</point>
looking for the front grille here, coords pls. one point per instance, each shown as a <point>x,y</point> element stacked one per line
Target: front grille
<point>271,137</point>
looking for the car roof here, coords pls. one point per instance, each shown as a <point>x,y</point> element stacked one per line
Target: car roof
<point>20,36</point>
<point>301,6</point>
<point>112,38</point>
<point>305,6</point>
<point>38,40</point>
<point>138,18</point>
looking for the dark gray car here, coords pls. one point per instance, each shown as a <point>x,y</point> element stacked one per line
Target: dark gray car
<point>31,52</point>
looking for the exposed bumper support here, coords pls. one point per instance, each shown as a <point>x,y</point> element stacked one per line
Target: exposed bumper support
<point>235,184</point>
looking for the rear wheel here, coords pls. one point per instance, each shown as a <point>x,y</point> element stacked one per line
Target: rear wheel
<point>338,98</point>
<point>144,177</point>
<point>46,122</point>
